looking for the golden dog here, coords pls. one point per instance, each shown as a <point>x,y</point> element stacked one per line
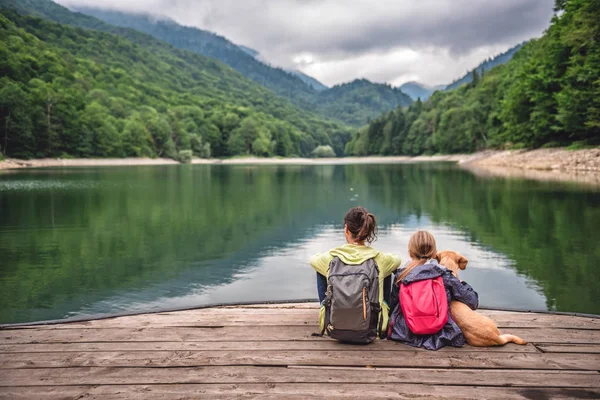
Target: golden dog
<point>479,330</point>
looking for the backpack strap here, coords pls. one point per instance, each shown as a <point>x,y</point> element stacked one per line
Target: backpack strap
<point>327,304</point>
<point>407,271</point>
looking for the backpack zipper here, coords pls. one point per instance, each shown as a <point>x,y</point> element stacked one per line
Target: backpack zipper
<point>364,299</point>
<point>437,304</point>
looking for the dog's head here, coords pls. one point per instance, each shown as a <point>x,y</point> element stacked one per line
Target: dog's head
<point>452,260</point>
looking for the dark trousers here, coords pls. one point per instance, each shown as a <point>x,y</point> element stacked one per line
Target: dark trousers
<point>322,288</point>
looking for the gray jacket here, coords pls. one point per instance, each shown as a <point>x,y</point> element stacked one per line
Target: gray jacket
<point>450,335</point>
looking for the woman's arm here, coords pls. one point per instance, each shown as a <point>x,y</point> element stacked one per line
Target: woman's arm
<point>387,264</point>
<point>320,263</point>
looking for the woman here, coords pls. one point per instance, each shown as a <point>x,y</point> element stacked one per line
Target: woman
<point>423,265</point>
<point>360,230</point>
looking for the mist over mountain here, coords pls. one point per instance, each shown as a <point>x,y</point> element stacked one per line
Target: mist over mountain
<point>486,66</point>
<point>304,91</point>
<point>309,80</point>
<point>417,90</point>
<point>422,91</point>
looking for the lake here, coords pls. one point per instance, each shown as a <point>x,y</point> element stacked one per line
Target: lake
<point>86,241</point>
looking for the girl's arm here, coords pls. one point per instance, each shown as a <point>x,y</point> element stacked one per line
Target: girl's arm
<point>461,291</point>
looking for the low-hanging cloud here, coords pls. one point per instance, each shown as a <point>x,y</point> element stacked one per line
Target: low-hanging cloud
<point>432,41</point>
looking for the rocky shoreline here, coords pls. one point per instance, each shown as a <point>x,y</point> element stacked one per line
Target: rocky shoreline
<point>554,159</point>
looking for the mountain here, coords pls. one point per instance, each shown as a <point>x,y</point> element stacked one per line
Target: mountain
<point>309,80</point>
<point>242,59</point>
<point>418,91</point>
<point>547,95</point>
<point>249,51</point>
<point>354,101</point>
<point>303,91</point>
<point>485,66</point>
<point>113,92</point>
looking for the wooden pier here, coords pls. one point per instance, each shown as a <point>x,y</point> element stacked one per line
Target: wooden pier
<point>267,351</point>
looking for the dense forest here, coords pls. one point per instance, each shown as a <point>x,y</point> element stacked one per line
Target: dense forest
<point>547,95</point>
<point>71,92</point>
<point>354,103</point>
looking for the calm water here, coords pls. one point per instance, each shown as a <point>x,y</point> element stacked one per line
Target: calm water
<point>77,242</point>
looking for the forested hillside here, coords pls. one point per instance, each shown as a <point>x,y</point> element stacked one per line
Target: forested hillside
<point>354,103</point>
<point>417,90</point>
<point>547,95</point>
<point>209,44</point>
<point>485,66</point>
<point>66,92</point>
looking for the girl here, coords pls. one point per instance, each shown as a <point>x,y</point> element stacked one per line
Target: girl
<point>423,265</point>
<point>360,229</point>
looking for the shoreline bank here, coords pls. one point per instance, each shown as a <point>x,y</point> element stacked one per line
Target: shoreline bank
<point>12,163</point>
<point>557,164</point>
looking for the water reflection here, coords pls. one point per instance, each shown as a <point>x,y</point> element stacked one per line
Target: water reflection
<point>134,239</point>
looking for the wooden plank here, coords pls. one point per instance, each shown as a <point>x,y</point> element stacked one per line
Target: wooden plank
<point>505,319</point>
<point>249,333</point>
<point>315,345</point>
<point>305,305</point>
<point>244,374</point>
<point>277,317</point>
<point>569,348</point>
<point>293,391</point>
<point>322,358</point>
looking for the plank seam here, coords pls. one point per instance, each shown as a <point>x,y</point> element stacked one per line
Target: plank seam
<point>306,383</point>
<point>367,367</point>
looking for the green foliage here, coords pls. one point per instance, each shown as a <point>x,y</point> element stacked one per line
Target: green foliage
<point>185,156</point>
<point>86,93</point>
<point>323,152</point>
<point>357,102</point>
<point>548,94</point>
<point>579,145</point>
<point>352,103</point>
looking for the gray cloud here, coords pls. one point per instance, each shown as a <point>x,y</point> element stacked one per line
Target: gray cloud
<point>433,41</point>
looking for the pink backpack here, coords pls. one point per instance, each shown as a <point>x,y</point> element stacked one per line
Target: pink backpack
<point>424,305</point>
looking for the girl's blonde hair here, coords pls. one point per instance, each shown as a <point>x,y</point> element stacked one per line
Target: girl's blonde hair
<point>421,247</point>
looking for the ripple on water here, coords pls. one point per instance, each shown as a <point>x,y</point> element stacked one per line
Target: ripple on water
<point>41,185</point>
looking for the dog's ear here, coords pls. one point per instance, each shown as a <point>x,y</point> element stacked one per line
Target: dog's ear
<point>462,262</point>
<point>438,256</point>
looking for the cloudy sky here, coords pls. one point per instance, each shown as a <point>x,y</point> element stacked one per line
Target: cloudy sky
<point>336,41</point>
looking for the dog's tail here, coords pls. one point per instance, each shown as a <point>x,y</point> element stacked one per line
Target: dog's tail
<point>511,339</point>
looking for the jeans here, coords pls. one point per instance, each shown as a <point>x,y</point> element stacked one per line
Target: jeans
<point>322,288</point>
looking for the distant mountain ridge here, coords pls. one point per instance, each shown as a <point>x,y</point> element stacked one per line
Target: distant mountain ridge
<point>486,66</point>
<point>309,80</point>
<point>302,90</point>
<point>345,99</point>
<point>417,90</point>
